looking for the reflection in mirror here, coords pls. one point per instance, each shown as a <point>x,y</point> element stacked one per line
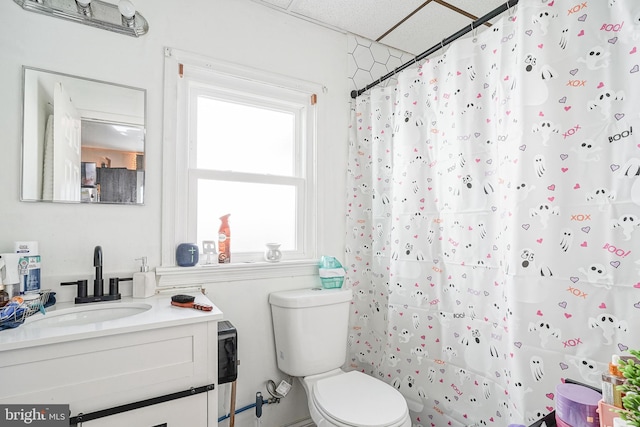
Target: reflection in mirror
<point>83,140</point>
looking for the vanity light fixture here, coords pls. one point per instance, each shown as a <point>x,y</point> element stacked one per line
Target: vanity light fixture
<point>121,18</point>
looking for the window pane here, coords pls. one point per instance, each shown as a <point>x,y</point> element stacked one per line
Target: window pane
<point>244,138</point>
<point>260,213</point>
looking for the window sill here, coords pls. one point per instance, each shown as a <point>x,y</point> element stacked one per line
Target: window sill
<point>201,274</point>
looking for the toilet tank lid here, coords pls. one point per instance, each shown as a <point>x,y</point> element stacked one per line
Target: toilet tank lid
<point>309,297</point>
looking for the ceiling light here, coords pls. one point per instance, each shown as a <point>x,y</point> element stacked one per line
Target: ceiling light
<point>122,18</point>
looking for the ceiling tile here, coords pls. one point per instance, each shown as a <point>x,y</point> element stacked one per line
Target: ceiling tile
<point>475,7</point>
<point>371,19</point>
<point>366,18</point>
<point>284,4</point>
<point>426,28</point>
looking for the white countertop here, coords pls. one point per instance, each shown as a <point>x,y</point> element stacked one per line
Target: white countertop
<point>161,314</point>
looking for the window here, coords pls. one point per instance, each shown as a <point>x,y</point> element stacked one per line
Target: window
<point>245,146</point>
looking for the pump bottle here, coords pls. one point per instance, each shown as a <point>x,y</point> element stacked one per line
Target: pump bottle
<point>144,281</point>
<point>224,240</point>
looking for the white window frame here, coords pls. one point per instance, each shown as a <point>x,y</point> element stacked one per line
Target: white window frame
<point>252,93</point>
<point>183,71</point>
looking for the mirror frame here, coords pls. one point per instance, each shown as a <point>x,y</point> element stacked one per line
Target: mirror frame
<point>25,133</point>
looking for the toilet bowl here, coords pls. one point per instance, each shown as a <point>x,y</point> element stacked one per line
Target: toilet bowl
<point>354,399</point>
<point>310,330</point>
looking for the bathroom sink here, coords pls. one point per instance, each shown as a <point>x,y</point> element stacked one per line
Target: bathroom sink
<point>85,315</point>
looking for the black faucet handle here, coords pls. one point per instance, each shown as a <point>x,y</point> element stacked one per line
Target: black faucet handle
<point>82,287</point>
<point>114,284</point>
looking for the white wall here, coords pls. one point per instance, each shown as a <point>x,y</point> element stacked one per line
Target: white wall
<point>237,31</point>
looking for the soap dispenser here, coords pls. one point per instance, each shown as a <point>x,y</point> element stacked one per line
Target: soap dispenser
<point>144,281</point>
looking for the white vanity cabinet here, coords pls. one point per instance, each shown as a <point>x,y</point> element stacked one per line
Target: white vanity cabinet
<point>109,369</point>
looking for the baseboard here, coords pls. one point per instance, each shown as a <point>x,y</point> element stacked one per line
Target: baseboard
<point>302,423</point>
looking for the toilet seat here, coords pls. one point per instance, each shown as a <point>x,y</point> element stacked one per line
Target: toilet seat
<point>354,399</point>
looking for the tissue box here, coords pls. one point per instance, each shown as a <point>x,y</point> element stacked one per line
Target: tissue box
<point>29,273</point>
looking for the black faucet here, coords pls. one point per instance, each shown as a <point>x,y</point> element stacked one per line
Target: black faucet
<point>98,283</point>
<point>97,263</point>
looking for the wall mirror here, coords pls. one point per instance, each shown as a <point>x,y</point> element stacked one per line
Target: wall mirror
<point>83,140</point>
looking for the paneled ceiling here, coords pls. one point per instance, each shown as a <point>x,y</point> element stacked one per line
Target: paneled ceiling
<point>412,26</point>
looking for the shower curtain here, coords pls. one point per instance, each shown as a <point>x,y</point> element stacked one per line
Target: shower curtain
<point>492,215</point>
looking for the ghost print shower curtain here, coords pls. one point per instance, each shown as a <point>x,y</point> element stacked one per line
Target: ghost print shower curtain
<point>493,210</point>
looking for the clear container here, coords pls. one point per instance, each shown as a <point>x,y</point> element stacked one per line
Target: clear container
<point>331,272</point>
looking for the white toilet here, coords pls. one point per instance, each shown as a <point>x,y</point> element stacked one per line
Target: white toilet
<point>310,327</point>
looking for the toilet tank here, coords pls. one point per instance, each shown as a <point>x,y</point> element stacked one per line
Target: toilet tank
<point>310,328</point>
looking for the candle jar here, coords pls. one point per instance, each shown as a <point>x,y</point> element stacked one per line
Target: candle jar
<point>273,254</point>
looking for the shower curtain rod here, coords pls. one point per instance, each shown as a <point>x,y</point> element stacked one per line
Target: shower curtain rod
<point>475,24</point>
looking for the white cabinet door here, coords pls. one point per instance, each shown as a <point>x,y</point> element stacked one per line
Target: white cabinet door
<point>187,411</point>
